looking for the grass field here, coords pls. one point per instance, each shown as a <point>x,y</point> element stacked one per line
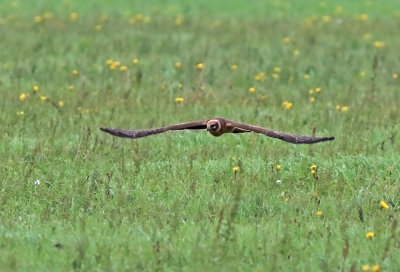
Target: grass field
<point>74,198</point>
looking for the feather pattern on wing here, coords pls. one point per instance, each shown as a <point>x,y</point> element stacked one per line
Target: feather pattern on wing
<point>291,138</point>
<point>147,132</point>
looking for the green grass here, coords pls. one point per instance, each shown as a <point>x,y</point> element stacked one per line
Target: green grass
<point>172,202</point>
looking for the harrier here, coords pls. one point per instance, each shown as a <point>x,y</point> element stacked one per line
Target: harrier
<point>217,127</point>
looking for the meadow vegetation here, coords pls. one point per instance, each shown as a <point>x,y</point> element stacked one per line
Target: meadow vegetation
<point>74,198</point>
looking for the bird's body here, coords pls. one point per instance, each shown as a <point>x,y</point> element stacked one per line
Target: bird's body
<point>218,126</point>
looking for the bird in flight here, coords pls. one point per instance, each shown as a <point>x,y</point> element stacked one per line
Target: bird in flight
<point>218,126</point>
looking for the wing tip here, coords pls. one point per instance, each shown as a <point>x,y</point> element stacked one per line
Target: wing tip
<point>104,129</point>
<point>110,131</point>
<point>324,139</point>
<point>122,133</point>
<point>313,140</point>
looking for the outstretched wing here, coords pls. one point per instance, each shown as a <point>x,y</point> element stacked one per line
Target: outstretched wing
<point>147,132</point>
<point>290,138</point>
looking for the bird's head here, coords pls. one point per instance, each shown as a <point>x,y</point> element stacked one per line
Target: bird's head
<point>215,127</point>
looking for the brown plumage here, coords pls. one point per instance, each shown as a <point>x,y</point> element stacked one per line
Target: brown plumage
<point>217,127</point>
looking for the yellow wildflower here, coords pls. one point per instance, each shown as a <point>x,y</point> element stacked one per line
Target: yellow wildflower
<point>363,17</point>
<point>275,76</point>
<point>376,268</point>
<point>38,19</point>
<point>395,76</point>
<point>235,169</point>
<point>47,15</point>
<point>277,69</point>
<point>139,17</point>
<point>20,113</point>
<point>114,65</point>
<point>179,99</point>
<point>146,20</point>
<point>326,19</point>
<point>287,104</point>
<point>319,213</point>
<point>278,167</point>
<point>180,85</point>
<point>109,62</point>
<point>73,16</point>
<point>311,91</point>
<point>337,107</point>
<point>383,205</point>
<point>260,76</point>
<point>338,9</point>
<point>23,96</point>
<point>75,72</point>
<point>35,88</point>
<point>286,40</point>
<point>344,108</point>
<point>179,19</point>
<point>43,98</point>
<point>314,166</point>
<point>97,27</point>
<point>306,76</point>
<point>365,268</point>
<point>71,87</point>
<point>379,44</point>
<point>370,235</point>
<point>61,103</point>
<point>312,99</point>
<point>135,61</point>
<point>252,90</point>
<point>234,67</point>
<point>318,89</point>
<point>200,66</point>
<point>178,64</point>
<point>367,36</point>
<point>123,68</point>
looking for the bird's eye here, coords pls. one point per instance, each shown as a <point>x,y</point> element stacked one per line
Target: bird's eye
<point>214,126</point>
